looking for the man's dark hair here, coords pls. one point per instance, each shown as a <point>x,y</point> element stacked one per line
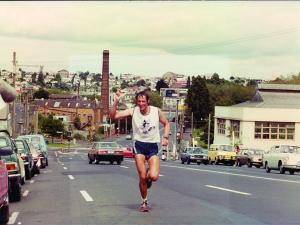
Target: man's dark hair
<point>143,93</point>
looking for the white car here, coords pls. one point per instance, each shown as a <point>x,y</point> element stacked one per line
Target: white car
<point>283,158</point>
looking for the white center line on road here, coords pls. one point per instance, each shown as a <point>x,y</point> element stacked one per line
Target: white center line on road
<point>86,196</point>
<point>71,177</point>
<point>13,218</point>
<point>65,168</point>
<point>160,175</point>
<point>124,167</point>
<point>26,192</point>
<point>70,158</point>
<point>31,182</point>
<point>229,190</point>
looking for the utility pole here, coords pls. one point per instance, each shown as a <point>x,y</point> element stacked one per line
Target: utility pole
<point>13,117</point>
<point>175,135</point>
<point>192,128</point>
<point>208,141</point>
<point>36,122</point>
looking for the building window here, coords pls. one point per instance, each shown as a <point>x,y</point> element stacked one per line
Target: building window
<point>274,130</point>
<point>221,126</point>
<point>235,126</point>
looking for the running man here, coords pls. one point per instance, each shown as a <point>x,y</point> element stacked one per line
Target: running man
<point>145,126</point>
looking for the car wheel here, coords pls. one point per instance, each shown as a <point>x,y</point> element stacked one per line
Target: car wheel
<point>268,170</point>
<point>249,164</point>
<point>47,162</point>
<point>216,161</point>
<point>15,193</point>
<point>238,163</point>
<point>292,172</point>
<point>37,170</point>
<point>43,164</point>
<point>27,173</point>
<point>23,180</point>
<point>198,163</point>
<point>4,214</point>
<point>97,161</point>
<point>281,169</point>
<point>188,162</point>
<point>182,162</point>
<point>257,166</point>
<point>111,162</point>
<point>119,162</point>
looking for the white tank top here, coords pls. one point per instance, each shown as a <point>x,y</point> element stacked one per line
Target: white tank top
<point>146,127</point>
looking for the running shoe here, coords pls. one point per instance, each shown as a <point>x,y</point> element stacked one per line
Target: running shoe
<point>144,206</point>
<point>148,180</point>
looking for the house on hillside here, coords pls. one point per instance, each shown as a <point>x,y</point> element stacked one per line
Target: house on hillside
<point>270,118</point>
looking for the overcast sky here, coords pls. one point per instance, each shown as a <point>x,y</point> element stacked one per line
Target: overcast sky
<point>248,39</point>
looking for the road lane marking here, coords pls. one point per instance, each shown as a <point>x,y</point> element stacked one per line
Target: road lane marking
<point>26,192</point>
<point>31,182</point>
<point>70,158</point>
<point>160,175</point>
<point>229,190</point>
<point>124,167</point>
<point>234,174</point>
<point>55,154</point>
<point>65,168</point>
<point>86,196</point>
<point>71,177</point>
<point>13,218</point>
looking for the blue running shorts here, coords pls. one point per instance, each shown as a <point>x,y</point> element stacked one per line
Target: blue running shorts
<point>146,148</point>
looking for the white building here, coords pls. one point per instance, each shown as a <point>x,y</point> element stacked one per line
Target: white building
<point>271,117</point>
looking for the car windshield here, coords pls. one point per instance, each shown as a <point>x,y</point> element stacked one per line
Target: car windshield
<point>198,150</point>
<point>3,142</point>
<point>35,140</point>
<point>226,148</point>
<point>107,145</point>
<point>291,149</point>
<point>20,146</point>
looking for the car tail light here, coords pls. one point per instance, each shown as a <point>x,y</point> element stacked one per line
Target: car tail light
<point>11,166</point>
<point>119,152</point>
<point>102,151</point>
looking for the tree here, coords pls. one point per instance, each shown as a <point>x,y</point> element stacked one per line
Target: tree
<point>141,82</point>
<point>155,99</point>
<point>124,84</point>
<point>198,100</point>
<point>41,80</point>
<point>161,84</point>
<point>51,126</point>
<point>41,93</point>
<point>188,82</point>
<point>77,123</point>
<point>33,77</point>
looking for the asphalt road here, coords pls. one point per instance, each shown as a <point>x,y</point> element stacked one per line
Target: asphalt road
<point>70,191</point>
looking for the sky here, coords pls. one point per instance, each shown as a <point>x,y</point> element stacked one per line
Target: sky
<point>251,39</point>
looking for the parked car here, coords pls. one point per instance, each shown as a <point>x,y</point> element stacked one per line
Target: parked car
<point>4,202</point>
<point>283,158</point>
<point>221,153</point>
<point>37,157</point>
<point>39,143</point>
<point>250,157</point>
<point>106,151</point>
<point>14,165</point>
<point>195,155</point>
<point>26,156</point>
<point>128,152</point>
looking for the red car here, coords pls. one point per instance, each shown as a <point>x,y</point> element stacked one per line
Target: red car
<point>4,203</point>
<point>128,152</point>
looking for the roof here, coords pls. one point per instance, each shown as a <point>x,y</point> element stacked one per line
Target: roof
<point>274,96</point>
<point>66,103</point>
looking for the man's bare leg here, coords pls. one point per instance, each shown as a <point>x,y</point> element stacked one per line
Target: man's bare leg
<point>153,168</point>
<point>141,168</point>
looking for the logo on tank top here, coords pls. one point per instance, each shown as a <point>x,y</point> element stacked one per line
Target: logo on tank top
<point>145,127</point>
